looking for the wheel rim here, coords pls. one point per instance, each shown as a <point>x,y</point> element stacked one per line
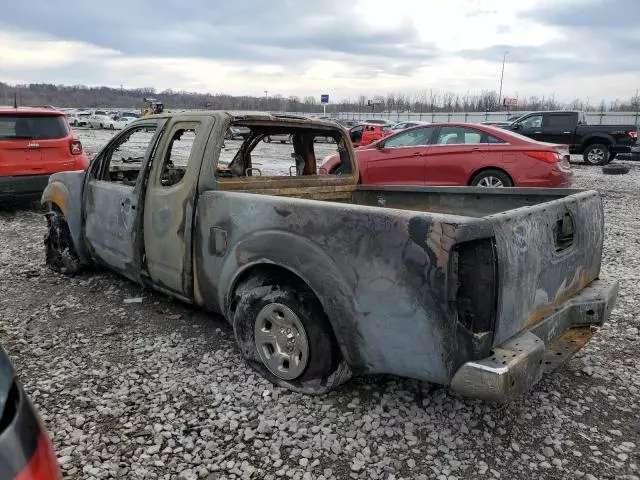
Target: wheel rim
<point>281,341</point>
<point>596,155</point>
<point>490,181</point>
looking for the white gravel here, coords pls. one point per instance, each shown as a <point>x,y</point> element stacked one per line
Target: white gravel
<point>158,390</point>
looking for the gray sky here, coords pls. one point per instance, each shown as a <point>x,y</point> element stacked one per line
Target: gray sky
<point>570,48</point>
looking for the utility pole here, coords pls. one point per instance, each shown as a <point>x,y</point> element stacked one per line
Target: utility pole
<point>504,57</point>
<point>266,99</point>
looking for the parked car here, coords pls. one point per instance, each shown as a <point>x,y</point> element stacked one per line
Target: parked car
<point>460,154</point>
<point>119,123</point>
<point>79,119</point>
<point>34,143</point>
<point>25,449</point>
<point>281,138</point>
<point>366,133</point>
<point>379,121</point>
<point>129,114</point>
<point>237,133</point>
<point>598,144</point>
<point>404,125</point>
<point>346,122</point>
<point>322,278</point>
<point>100,120</point>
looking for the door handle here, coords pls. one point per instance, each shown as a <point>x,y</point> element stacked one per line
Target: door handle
<point>476,149</point>
<point>417,154</point>
<point>537,132</point>
<point>566,132</point>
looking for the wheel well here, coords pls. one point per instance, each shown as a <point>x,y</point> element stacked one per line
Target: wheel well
<point>593,141</point>
<point>484,169</point>
<point>265,273</point>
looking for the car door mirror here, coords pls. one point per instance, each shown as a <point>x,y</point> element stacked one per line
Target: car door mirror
<point>517,126</point>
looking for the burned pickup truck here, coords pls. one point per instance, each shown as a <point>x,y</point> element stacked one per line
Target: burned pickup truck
<point>321,278</point>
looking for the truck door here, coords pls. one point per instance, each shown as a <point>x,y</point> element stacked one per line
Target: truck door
<point>169,204</point>
<point>530,126</point>
<point>111,194</point>
<point>559,128</point>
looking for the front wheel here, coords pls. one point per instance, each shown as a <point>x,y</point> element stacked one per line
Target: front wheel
<point>492,178</point>
<point>60,252</point>
<point>284,335</point>
<point>596,154</point>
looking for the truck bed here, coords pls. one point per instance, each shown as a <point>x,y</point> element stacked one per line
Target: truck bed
<point>434,277</point>
<point>462,201</point>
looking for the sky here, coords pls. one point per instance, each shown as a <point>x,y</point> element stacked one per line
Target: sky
<point>587,49</point>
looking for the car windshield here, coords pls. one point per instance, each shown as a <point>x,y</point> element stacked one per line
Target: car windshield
<point>37,127</point>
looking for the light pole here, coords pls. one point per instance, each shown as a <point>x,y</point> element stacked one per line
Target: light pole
<point>504,57</point>
<point>266,99</point>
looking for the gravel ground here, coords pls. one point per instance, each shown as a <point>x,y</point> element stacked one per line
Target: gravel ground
<point>158,390</point>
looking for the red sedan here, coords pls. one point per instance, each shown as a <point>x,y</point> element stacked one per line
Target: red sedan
<point>460,154</point>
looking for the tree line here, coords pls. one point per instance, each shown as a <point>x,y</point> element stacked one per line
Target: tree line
<point>430,101</point>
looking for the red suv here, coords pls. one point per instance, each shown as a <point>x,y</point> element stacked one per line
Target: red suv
<point>34,143</point>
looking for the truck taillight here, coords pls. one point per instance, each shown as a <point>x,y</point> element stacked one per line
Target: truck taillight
<point>75,147</point>
<point>548,157</point>
<point>633,133</point>
<point>474,271</point>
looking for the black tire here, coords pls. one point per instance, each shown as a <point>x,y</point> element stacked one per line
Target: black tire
<point>337,171</point>
<point>596,154</point>
<point>615,169</point>
<point>60,253</point>
<point>101,126</point>
<point>321,371</point>
<point>492,175</point>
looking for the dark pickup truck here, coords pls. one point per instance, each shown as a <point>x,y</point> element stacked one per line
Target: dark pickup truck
<point>598,144</point>
<point>481,289</point>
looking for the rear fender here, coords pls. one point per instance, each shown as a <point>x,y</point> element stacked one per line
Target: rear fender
<point>598,137</point>
<point>64,192</point>
<point>302,258</point>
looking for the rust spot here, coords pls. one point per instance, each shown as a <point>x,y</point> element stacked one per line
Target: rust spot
<point>542,312</point>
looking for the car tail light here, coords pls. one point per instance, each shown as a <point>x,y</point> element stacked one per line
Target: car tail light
<point>75,147</point>
<point>633,133</point>
<point>475,277</point>
<point>548,157</point>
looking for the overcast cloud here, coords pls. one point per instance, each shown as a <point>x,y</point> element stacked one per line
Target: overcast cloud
<point>573,48</point>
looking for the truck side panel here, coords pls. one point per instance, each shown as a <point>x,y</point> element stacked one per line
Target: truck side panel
<point>381,275</point>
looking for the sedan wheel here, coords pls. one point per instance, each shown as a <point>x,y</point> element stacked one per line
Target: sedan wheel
<point>490,181</point>
<point>492,178</point>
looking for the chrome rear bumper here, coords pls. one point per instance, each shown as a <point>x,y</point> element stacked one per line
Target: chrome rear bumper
<point>519,363</point>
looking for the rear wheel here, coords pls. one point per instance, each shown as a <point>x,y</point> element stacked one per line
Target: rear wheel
<point>492,178</point>
<point>596,154</point>
<point>284,334</point>
<point>60,252</point>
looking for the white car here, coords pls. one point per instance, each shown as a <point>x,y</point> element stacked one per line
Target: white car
<point>79,119</point>
<point>120,123</point>
<point>100,120</point>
